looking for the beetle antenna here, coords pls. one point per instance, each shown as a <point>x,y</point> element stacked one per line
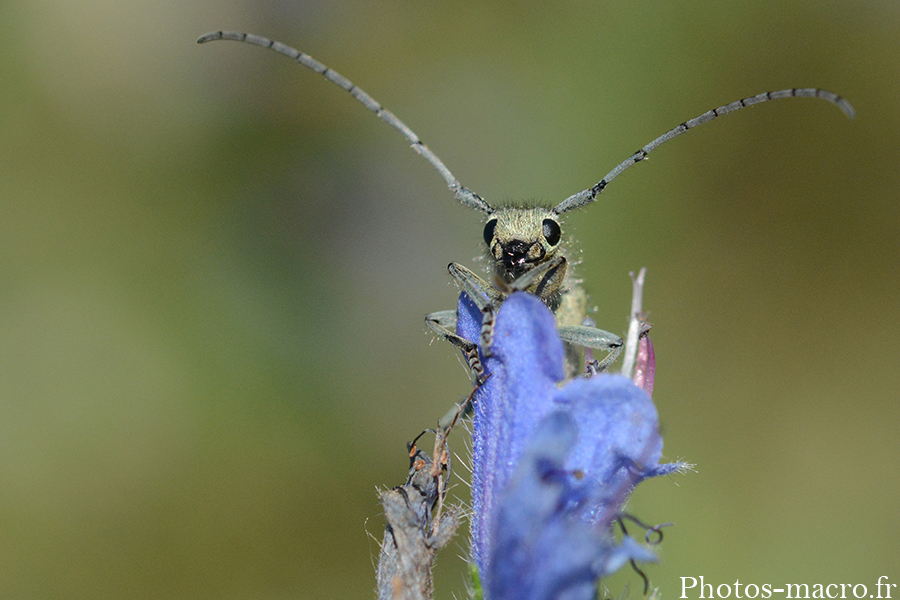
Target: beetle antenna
<point>587,196</point>
<point>466,196</point>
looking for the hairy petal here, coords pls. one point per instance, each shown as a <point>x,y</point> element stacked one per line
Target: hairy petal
<point>526,364</point>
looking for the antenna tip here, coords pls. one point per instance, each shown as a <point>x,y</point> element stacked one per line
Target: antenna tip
<point>848,109</point>
<point>209,37</point>
<point>839,101</point>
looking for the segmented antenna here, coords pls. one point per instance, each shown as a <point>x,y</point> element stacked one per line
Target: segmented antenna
<point>587,196</point>
<point>463,194</point>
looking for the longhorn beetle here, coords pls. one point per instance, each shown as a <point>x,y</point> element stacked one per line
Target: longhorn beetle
<point>525,244</point>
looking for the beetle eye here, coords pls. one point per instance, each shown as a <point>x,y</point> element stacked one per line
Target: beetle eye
<point>489,231</point>
<point>551,231</point>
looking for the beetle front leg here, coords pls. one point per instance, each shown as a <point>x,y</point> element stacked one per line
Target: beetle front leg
<point>480,291</point>
<point>544,281</point>
<point>485,296</point>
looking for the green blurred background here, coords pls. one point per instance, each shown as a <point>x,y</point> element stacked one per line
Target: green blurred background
<point>214,268</point>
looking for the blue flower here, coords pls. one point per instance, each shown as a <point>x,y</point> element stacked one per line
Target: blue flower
<point>552,465</point>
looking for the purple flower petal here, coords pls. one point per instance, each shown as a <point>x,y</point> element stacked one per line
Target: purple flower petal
<point>526,363</point>
<point>539,551</point>
<point>552,465</point>
<point>621,445</point>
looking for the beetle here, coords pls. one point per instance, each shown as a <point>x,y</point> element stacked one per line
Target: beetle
<point>524,244</point>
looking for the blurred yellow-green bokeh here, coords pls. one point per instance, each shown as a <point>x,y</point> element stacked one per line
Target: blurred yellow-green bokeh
<point>214,268</point>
